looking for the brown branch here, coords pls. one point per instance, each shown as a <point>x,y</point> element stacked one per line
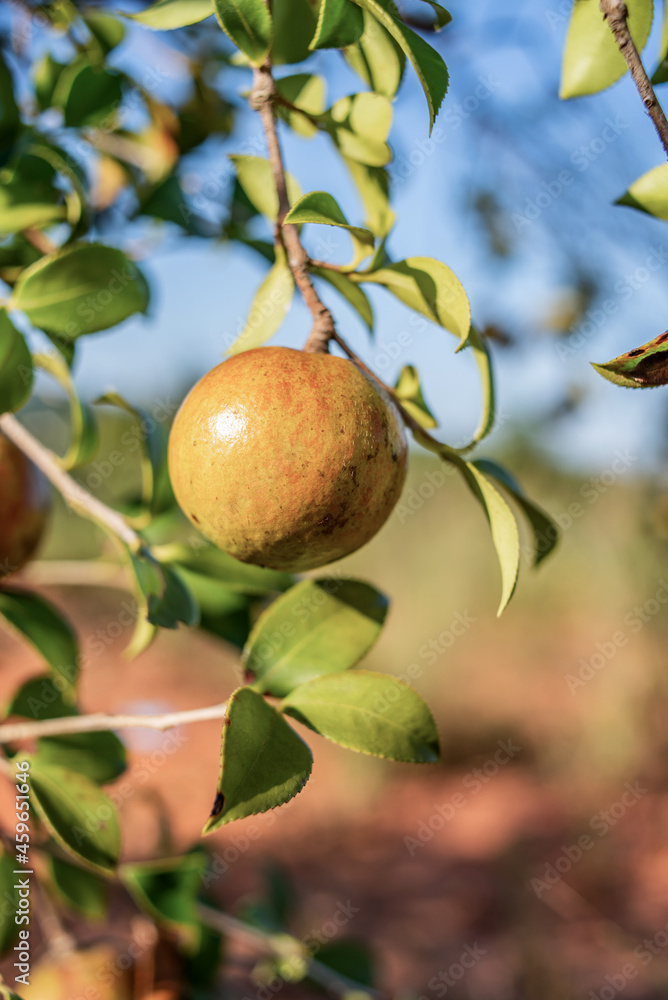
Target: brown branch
<point>616,13</point>
<point>100,722</point>
<point>79,499</point>
<point>263,97</point>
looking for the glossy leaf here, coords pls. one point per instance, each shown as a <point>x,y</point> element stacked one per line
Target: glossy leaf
<point>16,367</point>
<point>426,61</point>
<point>317,627</point>
<point>592,60</point>
<point>167,889</point>
<point>79,889</point>
<point>80,817</point>
<point>167,14</point>
<point>294,25</point>
<point>340,23</point>
<point>85,437</point>
<point>38,621</point>
<point>443,16</point>
<point>349,290</point>
<point>9,929</point>
<point>80,290</point>
<point>429,287</point>
<point>484,363</point>
<point>248,23</point>
<point>270,306</point>
<point>409,392</point>
<point>360,125</point>
<point>99,756</point>
<point>321,208</point>
<point>29,198</point>
<point>642,368</point>
<point>257,181</point>
<point>545,530</point>
<point>305,92</point>
<point>368,712</point>
<point>377,58</point>
<point>263,761</point>
<point>649,193</point>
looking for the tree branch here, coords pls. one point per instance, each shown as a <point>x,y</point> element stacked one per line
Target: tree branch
<point>263,97</point>
<point>79,499</point>
<point>332,981</point>
<point>616,13</point>
<point>99,722</point>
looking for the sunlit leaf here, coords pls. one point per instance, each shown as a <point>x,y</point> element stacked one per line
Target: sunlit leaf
<point>340,23</point>
<point>85,438</point>
<point>249,24</point>
<point>167,14</point>
<point>263,761</point>
<point>350,291</point>
<point>270,306</point>
<point>305,92</point>
<point>592,59</point>
<point>257,181</point>
<point>321,208</point>
<point>649,193</point>
<point>642,368</point>
<point>377,58</point>
<point>324,626</point>
<point>409,392</point>
<point>368,712</point>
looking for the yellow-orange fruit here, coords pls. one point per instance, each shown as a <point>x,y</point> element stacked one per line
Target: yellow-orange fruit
<point>287,459</point>
<point>25,502</point>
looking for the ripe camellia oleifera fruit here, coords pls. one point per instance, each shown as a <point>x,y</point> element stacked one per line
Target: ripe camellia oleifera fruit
<point>25,503</point>
<point>287,459</point>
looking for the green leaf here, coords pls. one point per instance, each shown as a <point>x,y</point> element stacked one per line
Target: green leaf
<point>661,72</point>
<point>340,23</point>
<point>85,437</point>
<point>294,24</point>
<point>484,362</point>
<point>242,578</point>
<point>545,530</point>
<point>223,612</point>
<point>257,182</point>
<point>644,367</point>
<point>359,126</point>
<point>167,14</point>
<point>89,95</point>
<point>167,890</point>
<point>76,191</point>
<point>305,92</point>
<point>248,23</point>
<point>409,392</point>
<point>16,368</point>
<point>80,290</point>
<point>40,698</point>
<point>426,61</point>
<point>428,287</point>
<point>322,209</point>
<point>6,993</point>
<point>372,184</point>
<point>79,889</point>
<point>9,929</point>
<point>79,816</point>
<point>592,60</point>
<point>368,712</point>
<point>350,291</point>
<point>157,495</point>
<point>162,593</point>
<point>263,761</point>
<point>270,306</point>
<point>46,74</point>
<point>10,119</point>
<point>317,627</point>
<point>502,525</point>
<point>99,756</point>
<point>107,31</point>
<point>28,195</point>
<point>443,16</point>
<point>649,193</point>
<point>45,628</point>
<point>349,958</point>
<point>377,58</point>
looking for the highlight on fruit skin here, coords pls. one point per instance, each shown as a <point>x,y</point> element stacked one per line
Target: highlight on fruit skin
<point>25,504</point>
<point>287,459</point>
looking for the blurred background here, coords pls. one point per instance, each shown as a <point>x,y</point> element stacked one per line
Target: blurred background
<point>531,863</point>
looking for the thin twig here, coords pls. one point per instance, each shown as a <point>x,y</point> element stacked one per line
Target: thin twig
<point>263,97</point>
<point>337,984</point>
<point>79,499</point>
<point>100,722</point>
<point>616,13</point>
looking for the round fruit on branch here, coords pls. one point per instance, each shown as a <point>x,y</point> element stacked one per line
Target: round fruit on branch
<point>287,459</point>
<point>25,503</point>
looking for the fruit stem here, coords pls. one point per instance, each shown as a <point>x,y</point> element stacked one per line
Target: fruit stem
<point>263,98</point>
<point>616,14</point>
<point>78,498</point>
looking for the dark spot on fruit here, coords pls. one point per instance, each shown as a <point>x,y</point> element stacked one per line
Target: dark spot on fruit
<point>218,804</point>
<point>194,517</point>
<point>395,457</point>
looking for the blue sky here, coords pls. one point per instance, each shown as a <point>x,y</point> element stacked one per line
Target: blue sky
<point>502,129</point>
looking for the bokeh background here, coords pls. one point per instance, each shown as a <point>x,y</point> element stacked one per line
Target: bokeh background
<point>482,855</point>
